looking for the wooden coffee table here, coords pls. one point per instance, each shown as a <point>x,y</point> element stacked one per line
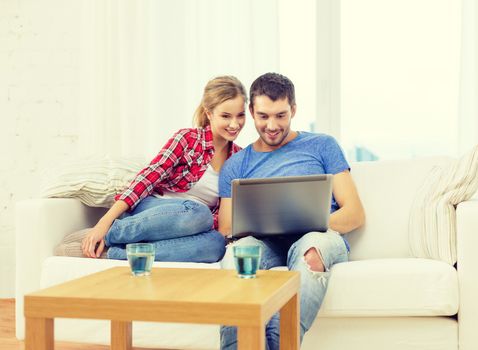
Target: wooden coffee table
<point>169,295</point>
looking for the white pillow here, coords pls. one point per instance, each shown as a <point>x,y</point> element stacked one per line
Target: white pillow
<point>432,227</point>
<point>95,181</point>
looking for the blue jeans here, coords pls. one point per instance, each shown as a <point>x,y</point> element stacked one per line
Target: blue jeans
<point>289,251</point>
<point>181,230</point>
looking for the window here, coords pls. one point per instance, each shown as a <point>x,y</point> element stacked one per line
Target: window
<point>400,62</point>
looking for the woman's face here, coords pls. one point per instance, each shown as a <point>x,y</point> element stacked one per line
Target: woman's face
<point>227,119</point>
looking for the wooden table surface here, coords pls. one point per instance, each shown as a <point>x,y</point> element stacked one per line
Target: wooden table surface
<point>169,295</point>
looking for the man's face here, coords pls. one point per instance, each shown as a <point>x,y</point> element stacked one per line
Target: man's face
<point>272,121</point>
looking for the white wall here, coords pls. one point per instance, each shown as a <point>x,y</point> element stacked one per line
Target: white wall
<point>38,105</point>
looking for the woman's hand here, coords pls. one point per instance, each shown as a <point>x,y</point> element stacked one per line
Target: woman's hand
<point>94,244</point>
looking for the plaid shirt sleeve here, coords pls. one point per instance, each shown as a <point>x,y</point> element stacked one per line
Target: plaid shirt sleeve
<point>160,168</point>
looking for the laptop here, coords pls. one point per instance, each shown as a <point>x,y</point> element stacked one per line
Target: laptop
<point>281,205</point>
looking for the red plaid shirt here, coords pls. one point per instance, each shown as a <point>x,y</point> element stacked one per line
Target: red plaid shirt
<point>177,167</point>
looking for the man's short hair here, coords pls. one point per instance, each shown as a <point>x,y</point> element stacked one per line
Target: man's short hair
<point>273,85</point>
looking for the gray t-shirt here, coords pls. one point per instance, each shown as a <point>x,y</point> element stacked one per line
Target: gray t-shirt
<point>307,154</point>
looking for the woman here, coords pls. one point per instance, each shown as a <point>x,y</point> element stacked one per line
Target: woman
<point>174,201</point>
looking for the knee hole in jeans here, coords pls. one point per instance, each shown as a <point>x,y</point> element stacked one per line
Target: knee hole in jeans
<point>314,261</point>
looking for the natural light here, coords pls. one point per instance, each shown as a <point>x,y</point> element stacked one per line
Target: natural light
<point>399,78</point>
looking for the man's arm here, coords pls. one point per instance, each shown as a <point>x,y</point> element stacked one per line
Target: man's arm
<point>351,214</point>
<point>225,216</point>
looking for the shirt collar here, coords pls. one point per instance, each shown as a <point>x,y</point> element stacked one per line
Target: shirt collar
<point>209,144</point>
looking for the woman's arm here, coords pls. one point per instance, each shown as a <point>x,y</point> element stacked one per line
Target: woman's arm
<point>96,234</point>
<point>145,182</point>
<point>160,169</point>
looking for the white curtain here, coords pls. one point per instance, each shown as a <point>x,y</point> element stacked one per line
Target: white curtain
<point>328,118</point>
<point>468,114</point>
<point>114,71</point>
<point>145,63</point>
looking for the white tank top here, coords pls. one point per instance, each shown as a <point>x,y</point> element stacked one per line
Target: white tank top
<point>205,191</point>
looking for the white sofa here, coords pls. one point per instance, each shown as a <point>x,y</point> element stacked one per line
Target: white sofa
<point>382,299</point>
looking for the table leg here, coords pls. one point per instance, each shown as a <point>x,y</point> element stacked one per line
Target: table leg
<point>39,334</point>
<point>289,324</point>
<point>251,338</point>
<point>121,335</point>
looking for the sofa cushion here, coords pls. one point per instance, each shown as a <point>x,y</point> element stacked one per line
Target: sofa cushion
<point>432,228</point>
<point>93,180</point>
<point>391,287</point>
<point>380,287</point>
<point>384,333</point>
<point>387,189</point>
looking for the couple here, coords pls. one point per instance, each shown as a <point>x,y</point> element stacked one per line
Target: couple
<point>174,202</point>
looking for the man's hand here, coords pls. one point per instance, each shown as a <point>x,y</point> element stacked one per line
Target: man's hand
<point>225,216</point>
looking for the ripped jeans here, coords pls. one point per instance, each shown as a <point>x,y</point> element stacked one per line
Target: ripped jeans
<point>289,251</point>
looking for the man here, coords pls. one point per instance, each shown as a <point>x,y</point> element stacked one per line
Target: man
<point>280,151</point>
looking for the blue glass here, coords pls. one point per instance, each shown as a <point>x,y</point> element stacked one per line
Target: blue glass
<point>140,258</point>
<point>247,259</point>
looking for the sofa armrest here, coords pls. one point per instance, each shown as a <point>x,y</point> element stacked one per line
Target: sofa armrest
<point>467,266</point>
<point>40,224</point>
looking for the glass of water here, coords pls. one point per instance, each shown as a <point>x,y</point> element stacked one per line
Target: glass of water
<point>247,259</point>
<point>140,258</point>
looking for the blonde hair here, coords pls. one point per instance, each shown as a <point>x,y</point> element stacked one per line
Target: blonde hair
<point>217,91</point>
